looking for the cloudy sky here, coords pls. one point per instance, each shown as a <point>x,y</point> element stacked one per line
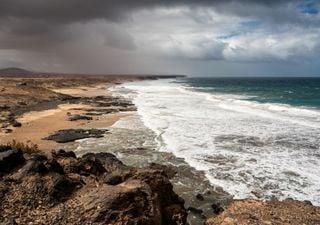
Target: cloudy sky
<point>194,37</point>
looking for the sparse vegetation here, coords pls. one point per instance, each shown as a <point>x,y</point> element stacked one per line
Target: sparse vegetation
<point>26,148</point>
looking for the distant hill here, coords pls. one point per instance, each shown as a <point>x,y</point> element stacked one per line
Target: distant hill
<point>15,72</point>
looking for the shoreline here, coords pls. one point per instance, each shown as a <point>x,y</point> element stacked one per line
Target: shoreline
<point>36,105</point>
<point>39,124</point>
<point>220,137</point>
<point>197,207</point>
<point>201,202</point>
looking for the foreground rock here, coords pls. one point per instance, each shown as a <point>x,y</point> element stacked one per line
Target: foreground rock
<point>65,136</point>
<point>79,117</point>
<point>93,189</point>
<point>252,212</point>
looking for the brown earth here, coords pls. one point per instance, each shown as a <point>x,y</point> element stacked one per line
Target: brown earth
<point>257,212</point>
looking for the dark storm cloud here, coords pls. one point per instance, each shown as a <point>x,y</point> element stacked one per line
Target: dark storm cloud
<point>66,11</point>
<point>36,20</point>
<point>95,35</point>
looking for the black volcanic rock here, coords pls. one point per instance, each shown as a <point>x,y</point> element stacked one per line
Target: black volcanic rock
<point>64,154</point>
<point>10,159</point>
<point>79,117</point>
<point>200,197</point>
<point>16,123</point>
<point>217,208</point>
<point>65,136</point>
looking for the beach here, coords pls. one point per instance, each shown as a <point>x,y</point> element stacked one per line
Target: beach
<point>39,124</point>
<point>40,106</point>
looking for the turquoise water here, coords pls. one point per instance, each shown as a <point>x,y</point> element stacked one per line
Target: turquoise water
<point>291,91</point>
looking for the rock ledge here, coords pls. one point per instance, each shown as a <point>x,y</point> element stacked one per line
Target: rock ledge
<point>93,189</point>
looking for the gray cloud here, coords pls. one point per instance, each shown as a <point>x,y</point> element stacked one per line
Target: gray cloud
<point>142,36</point>
<point>38,17</point>
<point>58,12</point>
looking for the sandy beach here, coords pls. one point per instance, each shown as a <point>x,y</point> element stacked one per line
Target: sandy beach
<point>49,113</point>
<point>39,124</point>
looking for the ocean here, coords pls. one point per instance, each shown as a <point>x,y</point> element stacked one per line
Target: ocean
<point>253,137</point>
<point>291,91</point>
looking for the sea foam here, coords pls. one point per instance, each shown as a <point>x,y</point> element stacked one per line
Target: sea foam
<point>250,149</point>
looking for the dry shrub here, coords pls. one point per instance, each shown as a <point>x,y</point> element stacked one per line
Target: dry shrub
<point>32,148</point>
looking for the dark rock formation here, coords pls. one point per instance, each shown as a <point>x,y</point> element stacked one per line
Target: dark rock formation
<point>9,159</point>
<point>217,208</point>
<point>93,189</point>
<point>16,124</point>
<point>107,105</point>
<point>195,210</point>
<point>7,130</point>
<point>94,113</point>
<point>79,117</point>
<point>64,136</point>
<point>200,197</point>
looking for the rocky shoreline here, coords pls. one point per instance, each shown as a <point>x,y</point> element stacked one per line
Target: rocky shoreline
<point>97,188</point>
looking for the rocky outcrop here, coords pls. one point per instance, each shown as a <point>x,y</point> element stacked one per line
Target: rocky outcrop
<point>79,117</point>
<point>107,105</point>
<point>252,212</point>
<point>93,189</point>
<point>65,136</point>
<point>7,119</point>
<point>9,159</point>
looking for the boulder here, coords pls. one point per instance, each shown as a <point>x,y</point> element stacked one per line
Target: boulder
<point>79,117</point>
<point>10,159</point>
<point>63,154</point>
<point>200,197</point>
<point>217,208</point>
<point>65,136</point>
<point>7,130</point>
<point>108,160</point>
<point>4,148</point>
<point>16,123</point>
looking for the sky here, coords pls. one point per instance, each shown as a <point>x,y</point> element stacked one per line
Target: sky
<point>191,37</point>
